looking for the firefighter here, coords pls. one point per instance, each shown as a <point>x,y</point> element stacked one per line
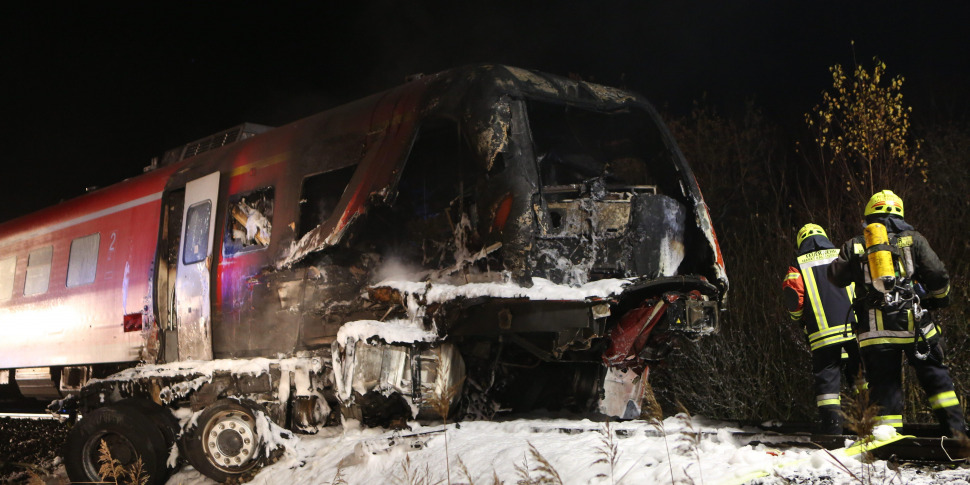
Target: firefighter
<point>824,311</point>
<point>887,265</point>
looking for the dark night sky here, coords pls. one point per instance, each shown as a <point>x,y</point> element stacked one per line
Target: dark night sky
<point>94,90</point>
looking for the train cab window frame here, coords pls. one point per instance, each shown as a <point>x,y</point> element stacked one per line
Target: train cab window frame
<point>8,270</point>
<point>195,244</point>
<point>319,196</point>
<point>38,278</point>
<point>249,221</point>
<point>82,264</point>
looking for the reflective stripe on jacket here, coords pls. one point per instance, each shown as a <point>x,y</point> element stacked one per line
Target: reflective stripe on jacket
<point>821,306</point>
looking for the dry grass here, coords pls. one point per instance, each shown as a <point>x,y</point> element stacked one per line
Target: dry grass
<point>651,409</point>
<point>465,472</point>
<point>693,439</point>
<point>652,412</point>
<point>608,452</point>
<point>112,471</point>
<point>541,472</point>
<point>35,475</point>
<point>860,415</point>
<point>860,418</point>
<point>411,475</point>
<point>36,478</point>
<point>338,476</point>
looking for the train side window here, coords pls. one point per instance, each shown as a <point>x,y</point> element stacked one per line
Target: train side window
<point>82,265</point>
<point>249,226</point>
<point>197,233</point>
<point>8,269</point>
<point>38,271</point>
<point>319,196</point>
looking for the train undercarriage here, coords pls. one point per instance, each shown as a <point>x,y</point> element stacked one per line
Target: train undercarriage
<point>473,356</point>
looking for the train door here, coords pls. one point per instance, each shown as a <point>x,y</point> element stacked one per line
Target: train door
<point>192,278</point>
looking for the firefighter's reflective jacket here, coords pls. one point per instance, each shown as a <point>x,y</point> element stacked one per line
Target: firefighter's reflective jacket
<point>893,320</point>
<point>823,308</point>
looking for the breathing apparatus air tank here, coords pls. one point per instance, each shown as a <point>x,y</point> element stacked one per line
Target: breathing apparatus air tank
<point>880,258</point>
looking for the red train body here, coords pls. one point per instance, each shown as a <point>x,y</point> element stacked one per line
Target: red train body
<point>62,322</point>
<point>550,230</point>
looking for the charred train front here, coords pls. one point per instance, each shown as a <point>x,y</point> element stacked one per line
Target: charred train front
<point>544,238</point>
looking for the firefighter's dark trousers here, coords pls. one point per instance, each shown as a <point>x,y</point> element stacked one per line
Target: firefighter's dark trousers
<point>884,372</point>
<point>828,367</point>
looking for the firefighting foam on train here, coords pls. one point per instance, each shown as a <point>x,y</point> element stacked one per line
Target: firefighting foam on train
<point>481,240</point>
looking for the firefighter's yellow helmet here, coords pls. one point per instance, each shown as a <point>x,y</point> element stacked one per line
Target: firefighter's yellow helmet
<point>807,231</point>
<point>885,202</point>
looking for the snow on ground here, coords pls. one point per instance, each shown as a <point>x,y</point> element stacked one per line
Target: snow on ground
<point>681,450</point>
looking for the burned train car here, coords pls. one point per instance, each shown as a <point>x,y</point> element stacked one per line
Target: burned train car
<point>481,239</point>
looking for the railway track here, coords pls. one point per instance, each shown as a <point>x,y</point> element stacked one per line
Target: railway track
<point>35,415</point>
<point>922,447</point>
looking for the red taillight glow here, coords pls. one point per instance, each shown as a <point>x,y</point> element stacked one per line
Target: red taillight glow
<point>132,322</point>
<point>502,210</point>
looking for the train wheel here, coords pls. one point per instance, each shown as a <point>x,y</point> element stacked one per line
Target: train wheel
<point>164,420</point>
<point>225,443</point>
<point>123,430</point>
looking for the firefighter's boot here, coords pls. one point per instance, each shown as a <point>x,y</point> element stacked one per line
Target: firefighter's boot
<point>829,421</point>
<point>952,421</point>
